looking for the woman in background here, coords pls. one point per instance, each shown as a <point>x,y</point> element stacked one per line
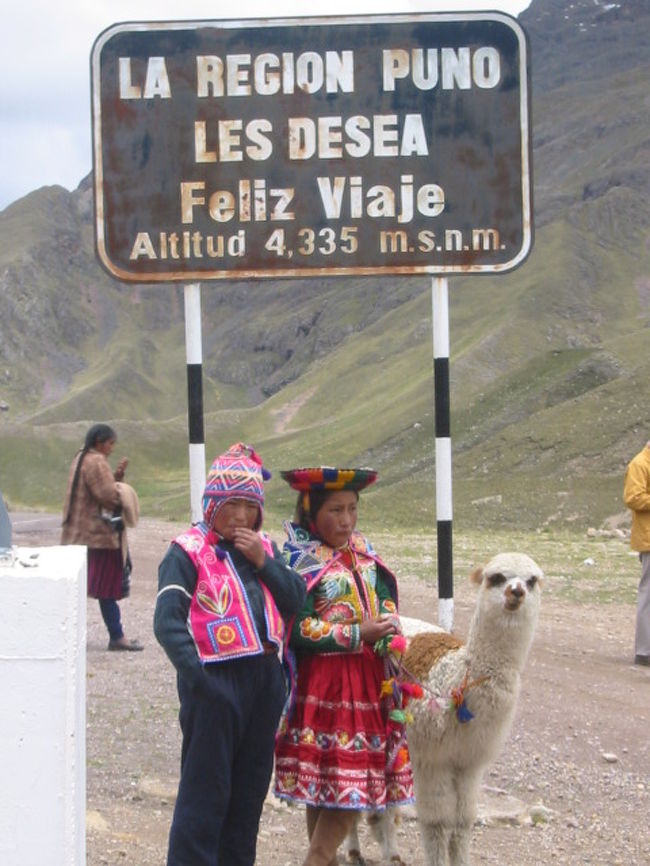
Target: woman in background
<point>91,500</point>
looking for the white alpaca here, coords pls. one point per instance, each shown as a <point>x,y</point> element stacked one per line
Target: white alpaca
<point>449,757</point>
<point>383,825</point>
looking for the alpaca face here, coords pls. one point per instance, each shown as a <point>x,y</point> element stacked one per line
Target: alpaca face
<point>511,585</point>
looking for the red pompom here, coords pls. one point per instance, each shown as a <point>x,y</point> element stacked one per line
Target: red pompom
<point>413,690</point>
<point>398,643</point>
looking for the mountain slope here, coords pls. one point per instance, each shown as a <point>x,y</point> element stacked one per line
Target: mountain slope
<point>549,364</point>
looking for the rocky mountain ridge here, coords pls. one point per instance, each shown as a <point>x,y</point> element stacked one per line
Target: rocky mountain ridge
<point>549,364</point>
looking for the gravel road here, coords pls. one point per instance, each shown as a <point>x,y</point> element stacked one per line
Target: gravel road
<point>572,785</point>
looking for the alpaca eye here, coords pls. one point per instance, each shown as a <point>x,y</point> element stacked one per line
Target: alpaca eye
<point>530,583</point>
<point>496,579</point>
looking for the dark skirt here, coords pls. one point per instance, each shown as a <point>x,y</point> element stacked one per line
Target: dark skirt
<point>105,573</point>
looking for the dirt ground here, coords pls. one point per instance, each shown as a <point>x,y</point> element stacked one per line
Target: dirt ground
<point>571,787</point>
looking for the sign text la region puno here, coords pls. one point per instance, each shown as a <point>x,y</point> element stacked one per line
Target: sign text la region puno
<point>295,147</point>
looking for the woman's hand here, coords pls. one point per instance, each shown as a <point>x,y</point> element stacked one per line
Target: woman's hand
<point>373,630</point>
<point>249,543</point>
<point>121,469</point>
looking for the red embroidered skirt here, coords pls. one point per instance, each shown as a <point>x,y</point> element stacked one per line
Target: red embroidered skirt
<point>334,750</point>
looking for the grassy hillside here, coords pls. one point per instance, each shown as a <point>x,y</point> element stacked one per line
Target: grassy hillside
<point>549,364</point>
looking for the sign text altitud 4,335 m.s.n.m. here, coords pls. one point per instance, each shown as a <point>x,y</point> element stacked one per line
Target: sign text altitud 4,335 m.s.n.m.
<point>319,146</point>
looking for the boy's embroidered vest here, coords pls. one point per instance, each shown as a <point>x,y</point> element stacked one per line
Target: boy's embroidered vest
<point>220,619</point>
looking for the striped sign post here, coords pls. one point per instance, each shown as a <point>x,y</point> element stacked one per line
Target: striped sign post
<point>194,356</point>
<point>440,305</point>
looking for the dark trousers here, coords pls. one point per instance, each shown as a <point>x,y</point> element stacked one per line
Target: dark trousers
<point>229,728</point>
<point>110,611</point>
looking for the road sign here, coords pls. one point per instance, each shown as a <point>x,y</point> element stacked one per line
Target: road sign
<point>393,144</point>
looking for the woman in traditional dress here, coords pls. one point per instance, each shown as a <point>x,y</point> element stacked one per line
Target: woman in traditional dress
<point>336,751</point>
<point>93,496</point>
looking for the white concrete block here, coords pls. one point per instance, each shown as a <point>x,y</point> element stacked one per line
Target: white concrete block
<point>43,718</point>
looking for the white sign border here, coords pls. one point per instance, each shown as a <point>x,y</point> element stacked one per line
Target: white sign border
<point>283,273</point>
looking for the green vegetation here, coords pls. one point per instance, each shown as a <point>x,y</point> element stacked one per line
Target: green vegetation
<point>549,364</point>
<point>584,570</point>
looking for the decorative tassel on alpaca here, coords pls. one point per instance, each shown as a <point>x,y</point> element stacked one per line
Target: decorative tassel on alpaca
<point>399,693</point>
<point>463,714</point>
<point>392,690</point>
<point>392,647</point>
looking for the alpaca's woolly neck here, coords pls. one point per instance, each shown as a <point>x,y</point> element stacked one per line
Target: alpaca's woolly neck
<point>499,642</point>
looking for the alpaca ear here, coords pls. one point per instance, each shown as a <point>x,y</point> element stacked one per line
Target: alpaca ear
<point>476,575</point>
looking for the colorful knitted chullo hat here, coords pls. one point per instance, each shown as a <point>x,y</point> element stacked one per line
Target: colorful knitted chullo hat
<point>238,473</point>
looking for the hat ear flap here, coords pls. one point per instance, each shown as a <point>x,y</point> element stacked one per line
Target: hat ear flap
<point>260,519</point>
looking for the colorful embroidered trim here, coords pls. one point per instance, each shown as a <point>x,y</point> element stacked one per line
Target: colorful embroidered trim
<point>329,478</point>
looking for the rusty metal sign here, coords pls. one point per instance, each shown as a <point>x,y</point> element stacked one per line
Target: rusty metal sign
<point>394,144</point>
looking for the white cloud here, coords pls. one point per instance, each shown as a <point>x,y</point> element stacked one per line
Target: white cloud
<point>45,79</point>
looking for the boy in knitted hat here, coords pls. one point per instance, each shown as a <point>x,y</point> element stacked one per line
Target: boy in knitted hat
<point>225,592</point>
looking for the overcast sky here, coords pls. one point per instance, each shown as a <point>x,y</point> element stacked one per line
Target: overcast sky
<point>45,126</point>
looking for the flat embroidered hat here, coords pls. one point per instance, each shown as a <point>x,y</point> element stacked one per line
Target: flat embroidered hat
<point>329,478</point>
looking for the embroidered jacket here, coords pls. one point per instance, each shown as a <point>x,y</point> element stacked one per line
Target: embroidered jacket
<point>220,618</point>
<point>344,587</point>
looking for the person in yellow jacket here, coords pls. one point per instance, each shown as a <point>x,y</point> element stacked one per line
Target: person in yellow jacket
<point>636,493</point>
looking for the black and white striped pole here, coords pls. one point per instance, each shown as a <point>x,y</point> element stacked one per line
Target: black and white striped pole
<point>194,355</point>
<point>440,304</point>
